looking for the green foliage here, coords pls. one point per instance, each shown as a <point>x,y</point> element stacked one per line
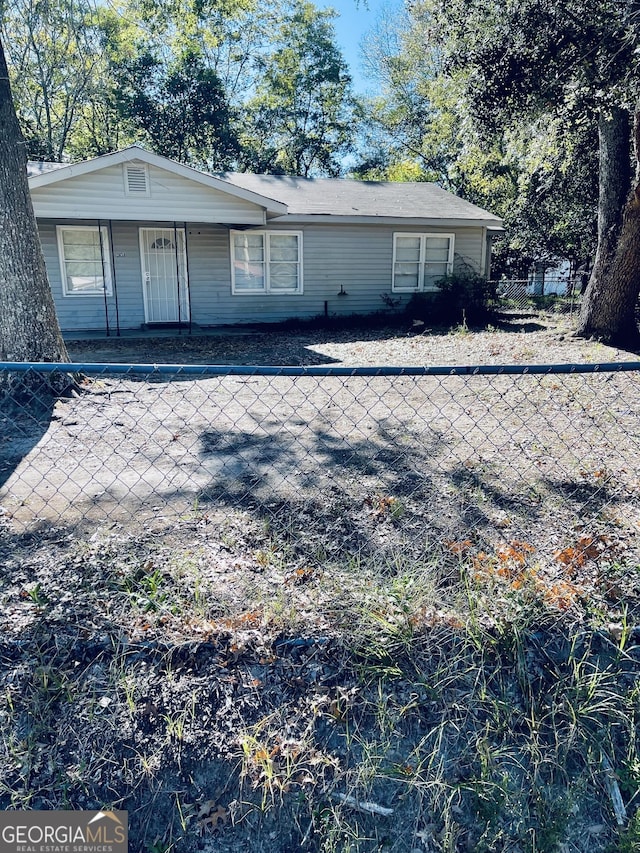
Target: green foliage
<point>406,122</point>
<point>216,85</point>
<point>526,58</point>
<point>541,71</point>
<point>478,97</point>
<point>180,109</point>
<point>52,51</point>
<point>462,297</point>
<point>99,125</point>
<point>629,841</point>
<point>378,168</point>
<point>301,119</point>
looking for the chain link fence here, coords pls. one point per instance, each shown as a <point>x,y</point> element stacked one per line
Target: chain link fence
<point>336,462</point>
<point>548,289</point>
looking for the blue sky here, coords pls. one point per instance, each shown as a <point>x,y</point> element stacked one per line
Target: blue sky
<point>356,18</point>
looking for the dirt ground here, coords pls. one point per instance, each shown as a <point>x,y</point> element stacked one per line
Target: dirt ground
<point>533,455</point>
<point>515,339</point>
<point>230,602</point>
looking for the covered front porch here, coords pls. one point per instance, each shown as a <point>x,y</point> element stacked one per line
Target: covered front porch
<point>134,240</point>
<point>91,261</point>
<point>110,277</point>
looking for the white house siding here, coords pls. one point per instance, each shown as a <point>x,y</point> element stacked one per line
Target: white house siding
<point>357,258</point>
<point>103,192</point>
<point>126,304</point>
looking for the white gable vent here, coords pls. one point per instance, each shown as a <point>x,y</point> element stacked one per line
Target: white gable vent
<point>136,179</point>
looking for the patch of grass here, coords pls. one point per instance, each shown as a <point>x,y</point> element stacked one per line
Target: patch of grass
<point>461,701</point>
<point>629,839</point>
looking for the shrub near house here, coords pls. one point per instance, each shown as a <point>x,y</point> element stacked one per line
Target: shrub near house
<point>463,297</point>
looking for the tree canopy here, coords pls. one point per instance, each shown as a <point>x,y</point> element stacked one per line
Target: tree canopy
<point>301,118</point>
<point>217,85</point>
<point>536,167</point>
<point>523,107</point>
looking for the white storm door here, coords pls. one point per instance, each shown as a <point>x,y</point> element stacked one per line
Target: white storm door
<point>164,275</point>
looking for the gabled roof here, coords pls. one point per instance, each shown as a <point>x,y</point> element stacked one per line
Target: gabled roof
<point>289,198</point>
<point>319,197</point>
<point>47,177</point>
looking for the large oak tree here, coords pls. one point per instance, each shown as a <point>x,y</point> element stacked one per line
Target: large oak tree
<point>526,60</point>
<point>609,306</point>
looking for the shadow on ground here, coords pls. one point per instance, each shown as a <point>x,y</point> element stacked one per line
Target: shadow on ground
<point>255,348</point>
<point>25,415</point>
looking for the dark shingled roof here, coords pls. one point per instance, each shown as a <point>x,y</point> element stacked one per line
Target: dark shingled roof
<point>343,197</point>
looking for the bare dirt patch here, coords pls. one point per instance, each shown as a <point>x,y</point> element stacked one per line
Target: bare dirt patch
<point>489,458</point>
<point>326,614</point>
<point>519,338</point>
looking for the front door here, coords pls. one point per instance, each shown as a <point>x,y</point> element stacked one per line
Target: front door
<point>164,275</point>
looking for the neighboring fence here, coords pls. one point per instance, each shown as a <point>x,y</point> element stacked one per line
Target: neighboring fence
<point>520,293</point>
<point>335,462</point>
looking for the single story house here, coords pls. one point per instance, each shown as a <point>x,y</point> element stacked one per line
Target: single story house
<point>132,239</point>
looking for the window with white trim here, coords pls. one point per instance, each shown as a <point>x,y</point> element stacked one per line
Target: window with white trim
<point>419,260</point>
<point>84,260</point>
<point>266,262</point>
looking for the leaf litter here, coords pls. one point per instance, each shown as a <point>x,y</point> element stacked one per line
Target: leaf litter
<point>238,692</point>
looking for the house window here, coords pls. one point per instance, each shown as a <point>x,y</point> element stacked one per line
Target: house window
<point>84,260</point>
<point>419,260</point>
<point>266,262</point>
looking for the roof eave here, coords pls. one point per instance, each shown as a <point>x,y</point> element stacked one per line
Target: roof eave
<point>430,221</point>
<point>135,152</point>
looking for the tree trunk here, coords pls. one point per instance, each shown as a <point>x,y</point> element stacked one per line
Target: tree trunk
<point>619,299</point>
<point>602,305</point>
<point>29,328</point>
<point>624,279</point>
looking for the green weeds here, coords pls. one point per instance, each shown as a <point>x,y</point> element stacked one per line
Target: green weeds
<point>469,700</point>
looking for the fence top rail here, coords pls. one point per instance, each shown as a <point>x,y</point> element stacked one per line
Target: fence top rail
<point>202,370</point>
